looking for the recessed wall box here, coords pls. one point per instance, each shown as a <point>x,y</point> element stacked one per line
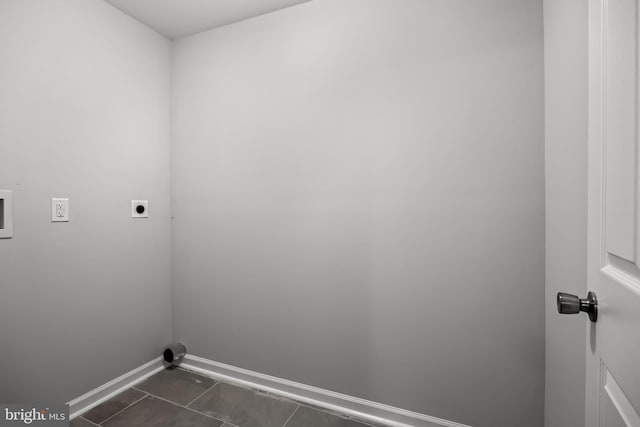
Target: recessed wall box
<point>139,209</point>
<point>6,214</point>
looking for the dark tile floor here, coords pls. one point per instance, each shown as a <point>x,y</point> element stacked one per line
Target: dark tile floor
<point>180,398</point>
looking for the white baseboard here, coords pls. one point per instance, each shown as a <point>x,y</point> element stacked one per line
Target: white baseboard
<point>342,403</point>
<point>93,398</point>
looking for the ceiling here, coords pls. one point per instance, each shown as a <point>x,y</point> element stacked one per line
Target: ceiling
<point>178,18</point>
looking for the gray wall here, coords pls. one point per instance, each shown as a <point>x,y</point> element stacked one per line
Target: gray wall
<point>565,32</point>
<point>358,197</point>
<point>84,114</point>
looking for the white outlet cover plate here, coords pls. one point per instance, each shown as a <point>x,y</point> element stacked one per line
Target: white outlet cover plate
<point>6,216</point>
<point>59,210</point>
<point>134,209</point>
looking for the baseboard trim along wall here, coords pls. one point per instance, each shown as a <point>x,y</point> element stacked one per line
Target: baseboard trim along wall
<point>338,402</point>
<point>349,405</point>
<point>93,398</point>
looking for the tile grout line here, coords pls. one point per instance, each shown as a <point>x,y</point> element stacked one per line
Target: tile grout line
<point>274,395</point>
<point>291,416</point>
<point>127,407</point>
<point>259,391</point>
<point>201,394</point>
<point>218,381</point>
<point>182,406</point>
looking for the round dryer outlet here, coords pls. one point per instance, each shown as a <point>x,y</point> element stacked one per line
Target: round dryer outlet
<point>139,209</point>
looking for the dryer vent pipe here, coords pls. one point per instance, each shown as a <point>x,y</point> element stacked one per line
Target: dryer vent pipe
<point>173,354</point>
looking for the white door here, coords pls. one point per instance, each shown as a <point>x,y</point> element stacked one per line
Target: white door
<point>613,342</point>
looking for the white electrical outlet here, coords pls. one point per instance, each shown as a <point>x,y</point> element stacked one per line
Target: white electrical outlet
<point>139,209</point>
<point>59,210</point>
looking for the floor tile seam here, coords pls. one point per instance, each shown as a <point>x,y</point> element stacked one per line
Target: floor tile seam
<point>203,393</point>
<point>254,389</point>
<point>263,394</point>
<point>291,416</point>
<point>272,395</point>
<point>275,396</point>
<point>184,407</point>
<point>127,407</point>
<point>258,391</point>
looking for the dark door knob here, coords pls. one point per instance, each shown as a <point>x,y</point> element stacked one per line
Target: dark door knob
<point>571,304</point>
